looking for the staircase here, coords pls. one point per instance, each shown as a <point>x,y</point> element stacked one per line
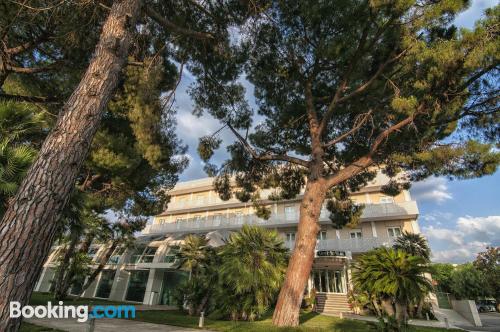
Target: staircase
<point>332,303</point>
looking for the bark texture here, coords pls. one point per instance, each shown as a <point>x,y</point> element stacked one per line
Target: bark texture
<point>28,227</point>
<point>288,305</point>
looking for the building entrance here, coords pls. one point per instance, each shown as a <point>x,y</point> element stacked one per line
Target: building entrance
<point>171,280</point>
<point>329,281</point>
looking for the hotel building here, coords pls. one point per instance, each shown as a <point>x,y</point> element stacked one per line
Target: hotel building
<point>149,272</point>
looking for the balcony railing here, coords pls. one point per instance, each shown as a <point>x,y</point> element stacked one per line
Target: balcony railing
<point>385,211</point>
<point>352,245</point>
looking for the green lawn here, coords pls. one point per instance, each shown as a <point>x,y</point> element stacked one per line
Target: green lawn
<point>27,327</point>
<point>310,322</point>
<point>42,299</point>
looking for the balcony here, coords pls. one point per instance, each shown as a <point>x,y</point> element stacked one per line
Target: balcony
<point>371,212</point>
<point>352,245</point>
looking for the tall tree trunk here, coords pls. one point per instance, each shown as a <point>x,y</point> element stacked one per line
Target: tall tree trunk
<point>28,227</point>
<point>387,306</point>
<point>299,268</point>
<point>64,267</point>
<point>104,260</point>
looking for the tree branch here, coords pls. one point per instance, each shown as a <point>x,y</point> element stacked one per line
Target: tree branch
<point>337,99</point>
<point>267,156</point>
<point>359,124</point>
<point>31,70</point>
<point>31,99</point>
<point>165,23</point>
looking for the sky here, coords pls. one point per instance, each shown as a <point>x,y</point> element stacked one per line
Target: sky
<point>459,218</point>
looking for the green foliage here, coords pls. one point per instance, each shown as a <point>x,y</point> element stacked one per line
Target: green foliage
<point>238,280</point>
<point>469,283</point>
<point>442,274</point>
<point>488,262</point>
<point>392,273</point>
<point>207,145</point>
<point>334,79</point>
<point>253,264</point>
<point>413,244</point>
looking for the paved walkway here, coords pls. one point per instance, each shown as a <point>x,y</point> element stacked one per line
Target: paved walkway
<point>417,322</point>
<point>107,325</point>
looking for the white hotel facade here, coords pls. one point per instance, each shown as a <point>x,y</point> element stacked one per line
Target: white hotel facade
<point>149,273</point>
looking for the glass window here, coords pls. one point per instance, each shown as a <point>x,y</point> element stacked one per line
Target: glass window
<point>289,212</point>
<point>76,287</point>
<point>115,257</point>
<point>148,255</point>
<point>92,252</point>
<point>356,235</point>
<point>105,283</point>
<point>290,237</point>
<point>171,256</point>
<point>394,231</point>
<point>321,235</point>
<point>386,199</point>
<point>136,254</point>
<point>238,215</point>
<point>137,285</point>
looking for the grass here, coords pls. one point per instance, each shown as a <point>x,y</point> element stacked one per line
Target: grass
<point>309,322</point>
<point>27,327</point>
<point>38,298</point>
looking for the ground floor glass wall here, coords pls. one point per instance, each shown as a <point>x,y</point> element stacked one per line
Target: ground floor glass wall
<point>105,283</point>
<point>137,285</point>
<point>329,281</point>
<point>171,280</point>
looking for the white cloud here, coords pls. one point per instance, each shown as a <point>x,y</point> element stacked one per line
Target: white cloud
<point>433,189</point>
<point>462,243</point>
<point>444,234</point>
<point>437,216</point>
<point>484,228</point>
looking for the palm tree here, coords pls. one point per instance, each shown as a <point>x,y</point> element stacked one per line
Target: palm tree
<point>253,267</point>
<point>413,244</point>
<point>194,253</point>
<point>14,162</point>
<point>393,274</point>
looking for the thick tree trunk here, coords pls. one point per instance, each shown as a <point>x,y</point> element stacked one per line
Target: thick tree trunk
<point>64,267</point>
<point>28,227</point>
<point>103,262</point>
<point>299,268</point>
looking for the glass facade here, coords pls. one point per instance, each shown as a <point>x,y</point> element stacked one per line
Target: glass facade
<point>329,281</point>
<point>171,280</point>
<point>137,285</point>
<point>105,283</point>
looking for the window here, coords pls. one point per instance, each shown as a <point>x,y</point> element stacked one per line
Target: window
<point>171,257</point>
<point>321,235</point>
<point>179,219</point>
<point>136,254</point>
<point>105,283</point>
<point>92,252</point>
<point>115,258</point>
<point>355,235</point>
<point>148,255</point>
<point>290,237</point>
<point>198,217</point>
<point>289,212</point>
<point>137,285</point>
<point>386,199</point>
<point>394,231</point>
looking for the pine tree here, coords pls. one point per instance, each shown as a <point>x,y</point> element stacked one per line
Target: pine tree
<point>346,88</point>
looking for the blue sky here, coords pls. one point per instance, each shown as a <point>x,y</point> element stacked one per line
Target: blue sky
<point>459,218</point>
